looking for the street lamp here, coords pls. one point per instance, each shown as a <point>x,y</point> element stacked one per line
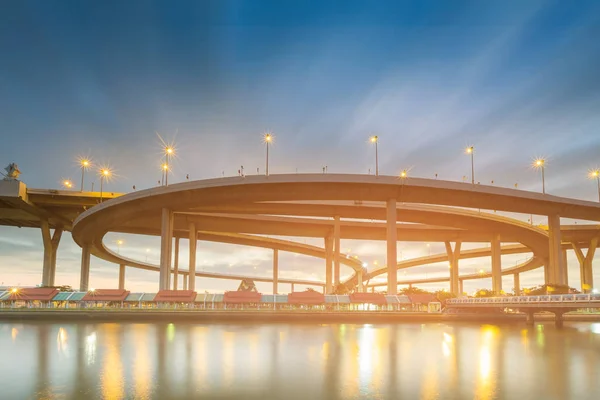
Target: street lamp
<point>471,151</point>
<point>104,174</point>
<point>119,243</point>
<point>67,184</point>
<point>404,174</point>
<point>169,151</point>
<point>267,139</point>
<point>164,168</point>
<point>85,164</point>
<point>540,163</point>
<point>596,174</point>
<point>375,140</point>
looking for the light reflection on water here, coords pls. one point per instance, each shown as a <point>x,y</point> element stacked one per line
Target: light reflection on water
<point>286,361</point>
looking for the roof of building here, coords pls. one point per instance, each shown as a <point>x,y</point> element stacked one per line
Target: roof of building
<point>106,295</point>
<point>399,299</point>
<point>178,296</point>
<point>308,297</point>
<point>40,294</point>
<point>368,298</point>
<point>241,297</point>
<point>134,297</point>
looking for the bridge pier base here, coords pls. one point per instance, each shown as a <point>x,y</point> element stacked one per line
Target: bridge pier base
<point>558,317</point>
<point>529,317</point>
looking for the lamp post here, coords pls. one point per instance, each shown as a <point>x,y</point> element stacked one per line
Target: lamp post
<point>169,150</point>
<point>540,163</point>
<point>104,174</point>
<point>471,151</point>
<point>267,139</point>
<point>119,243</point>
<point>375,140</point>
<point>85,164</point>
<point>596,174</point>
<point>165,169</point>
<point>67,184</point>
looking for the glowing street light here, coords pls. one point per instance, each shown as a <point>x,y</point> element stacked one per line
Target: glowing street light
<point>267,140</point>
<point>67,184</point>
<point>471,151</point>
<point>119,243</point>
<point>85,164</point>
<point>540,163</point>
<point>596,174</point>
<point>375,140</point>
<point>404,174</point>
<point>104,174</point>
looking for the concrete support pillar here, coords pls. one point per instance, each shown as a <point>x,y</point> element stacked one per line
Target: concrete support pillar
<point>84,281</point>
<point>496,264</point>
<point>122,276</point>
<point>292,288</point>
<point>184,278</point>
<point>453,256</point>
<point>461,288</point>
<point>192,260</point>
<point>275,270</point>
<point>529,317</point>
<point>359,277</point>
<point>517,284</point>
<point>176,265</point>
<point>392,249</point>
<point>166,239</point>
<point>336,254</point>
<point>50,243</point>
<point>555,266</point>
<point>328,264</point>
<point>565,264</point>
<point>585,264</point>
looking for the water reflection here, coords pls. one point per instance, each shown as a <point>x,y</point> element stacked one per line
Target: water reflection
<point>431,361</point>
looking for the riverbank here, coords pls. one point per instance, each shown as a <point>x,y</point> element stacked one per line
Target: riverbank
<point>209,316</point>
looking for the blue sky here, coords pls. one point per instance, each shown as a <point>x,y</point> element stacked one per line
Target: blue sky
<point>517,79</point>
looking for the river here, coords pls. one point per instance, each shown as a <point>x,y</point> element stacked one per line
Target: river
<point>296,361</point>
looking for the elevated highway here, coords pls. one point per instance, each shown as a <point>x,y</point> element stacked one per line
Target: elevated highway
<point>247,210</point>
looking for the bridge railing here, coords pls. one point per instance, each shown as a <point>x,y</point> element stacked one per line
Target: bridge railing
<point>557,298</point>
